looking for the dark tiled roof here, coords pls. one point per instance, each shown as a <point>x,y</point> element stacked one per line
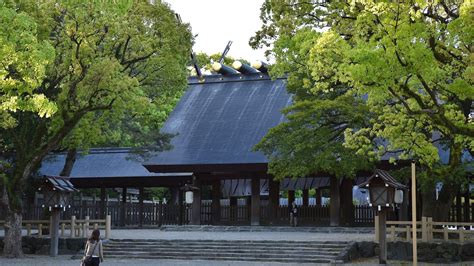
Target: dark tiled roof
<point>59,183</point>
<point>105,162</point>
<point>220,120</point>
<point>386,177</point>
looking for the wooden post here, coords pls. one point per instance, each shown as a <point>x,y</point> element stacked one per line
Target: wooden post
<point>85,232</point>
<point>334,203</point>
<point>458,208</point>
<point>413,212</point>
<point>196,206</point>
<point>28,229</point>
<point>108,226</point>
<point>140,206</point>
<point>40,230</point>
<point>291,197</point>
<point>347,206</point>
<point>63,229</point>
<point>408,229</point>
<point>305,197</point>
<point>445,233</point>
<point>424,232</point>
<point>73,226</point>
<point>233,214</point>
<point>274,197</point>
<point>181,208</point>
<point>461,234</point>
<point>124,207</point>
<point>54,233</point>
<point>382,236</point>
<point>377,229</point>
<point>467,207</point>
<point>430,228</point>
<point>216,201</point>
<point>318,196</point>
<point>103,203</point>
<point>255,203</point>
<point>392,232</point>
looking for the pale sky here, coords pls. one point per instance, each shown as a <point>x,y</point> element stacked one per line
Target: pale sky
<point>218,21</point>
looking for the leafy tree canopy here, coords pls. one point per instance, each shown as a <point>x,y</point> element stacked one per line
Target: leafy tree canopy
<point>395,71</point>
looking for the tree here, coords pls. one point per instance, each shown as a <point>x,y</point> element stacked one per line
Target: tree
<point>114,67</point>
<point>410,63</point>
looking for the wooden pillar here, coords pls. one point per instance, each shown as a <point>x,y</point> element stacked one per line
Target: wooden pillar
<point>216,201</point>
<point>305,197</point>
<point>124,207</point>
<point>255,204</point>
<point>467,206</point>
<point>181,208</point>
<point>196,206</point>
<point>140,206</point>
<point>382,236</point>
<point>274,200</point>
<point>54,232</point>
<point>458,207</point>
<point>291,197</point>
<point>174,191</point>
<point>318,196</point>
<point>233,210</point>
<point>103,203</point>
<point>334,203</point>
<point>347,206</point>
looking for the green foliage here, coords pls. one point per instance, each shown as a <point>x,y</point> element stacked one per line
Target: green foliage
<point>108,75</point>
<point>23,60</point>
<point>411,62</point>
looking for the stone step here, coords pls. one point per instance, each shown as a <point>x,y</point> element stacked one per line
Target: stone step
<point>227,241</point>
<point>281,246</point>
<point>269,248</point>
<point>253,259</point>
<point>218,253</point>
<point>241,252</point>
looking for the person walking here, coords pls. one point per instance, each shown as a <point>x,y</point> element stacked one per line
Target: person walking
<point>93,252</point>
<point>293,214</point>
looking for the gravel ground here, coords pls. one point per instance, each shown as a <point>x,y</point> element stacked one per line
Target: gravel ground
<point>67,261</point>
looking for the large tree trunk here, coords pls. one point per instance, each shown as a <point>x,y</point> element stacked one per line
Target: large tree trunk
<point>69,162</point>
<point>12,240</point>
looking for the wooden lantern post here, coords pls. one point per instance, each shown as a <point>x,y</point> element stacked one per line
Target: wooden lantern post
<point>384,193</point>
<point>56,192</point>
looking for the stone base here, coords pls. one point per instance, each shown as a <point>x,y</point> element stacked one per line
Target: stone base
<point>41,246</point>
<point>445,252</point>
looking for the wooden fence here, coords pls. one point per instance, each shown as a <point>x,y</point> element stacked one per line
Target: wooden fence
<point>68,228</point>
<point>428,230</point>
<point>158,214</point>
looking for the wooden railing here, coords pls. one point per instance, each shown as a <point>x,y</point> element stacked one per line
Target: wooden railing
<point>429,230</point>
<point>67,228</point>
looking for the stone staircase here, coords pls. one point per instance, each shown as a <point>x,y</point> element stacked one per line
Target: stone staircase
<point>233,250</point>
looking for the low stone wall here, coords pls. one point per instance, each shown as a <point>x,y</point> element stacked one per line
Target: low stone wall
<point>40,246</point>
<point>444,252</point>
